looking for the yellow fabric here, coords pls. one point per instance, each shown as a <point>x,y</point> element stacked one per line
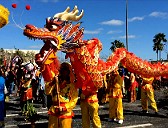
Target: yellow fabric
<point>91,98</point>
<point>148,94</point>
<point>55,122</point>
<point>116,87</point>
<point>38,73</point>
<point>90,111</point>
<point>67,95</point>
<point>148,80</point>
<point>4,15</point>
<point>50,58</point>
<point>27,84</point>
<point>148,87</point>
<point>48,89</point>
<point>115,98</point>
<point>115,108</point>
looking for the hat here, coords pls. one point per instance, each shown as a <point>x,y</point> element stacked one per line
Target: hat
<point>29,66</point>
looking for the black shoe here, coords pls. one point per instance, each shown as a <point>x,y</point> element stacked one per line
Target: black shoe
<point>144,111</point>
<point>112,120</point>
<point>156,113</point>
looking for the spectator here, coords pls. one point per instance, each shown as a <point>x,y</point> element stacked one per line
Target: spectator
<point>26,92</point>
<point>19,77</point>
<point>11,79</point>
<point>34,83</point>
<point>42,96</point>
<point>2,100</point>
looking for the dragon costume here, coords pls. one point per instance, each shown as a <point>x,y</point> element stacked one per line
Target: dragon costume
<point>60,34</point>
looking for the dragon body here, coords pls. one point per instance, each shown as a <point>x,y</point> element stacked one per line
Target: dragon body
<point>60,34</point>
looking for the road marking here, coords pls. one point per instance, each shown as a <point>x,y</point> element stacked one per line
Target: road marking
<point>136,126</point>
<point>10,126</point>
<point>11,115</point>
<point>75,109</point>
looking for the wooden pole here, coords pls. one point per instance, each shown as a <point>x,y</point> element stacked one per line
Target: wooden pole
<point>57,95</point>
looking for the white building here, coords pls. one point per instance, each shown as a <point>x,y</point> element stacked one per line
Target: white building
<point>23,50</point>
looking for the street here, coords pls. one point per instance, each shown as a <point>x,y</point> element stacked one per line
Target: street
<point>133,118</point>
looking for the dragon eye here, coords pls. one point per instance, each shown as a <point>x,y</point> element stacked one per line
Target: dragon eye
<point>53,27</point>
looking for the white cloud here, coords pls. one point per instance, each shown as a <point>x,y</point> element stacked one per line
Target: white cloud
<point>159,14</point>
<point>46,1</point>
<point>129,36</point>
<point>113,32</point>
<point>93,32</point>
<point>112,22</point>
<point>135,19</point>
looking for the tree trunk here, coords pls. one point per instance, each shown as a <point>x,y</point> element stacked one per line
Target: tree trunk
<point>159,55</point>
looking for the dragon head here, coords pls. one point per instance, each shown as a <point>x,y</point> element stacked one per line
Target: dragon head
<point>58,34</point>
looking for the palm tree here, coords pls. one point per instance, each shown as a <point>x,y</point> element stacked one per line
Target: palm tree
<point>158,45</point>
<point>116,44</point>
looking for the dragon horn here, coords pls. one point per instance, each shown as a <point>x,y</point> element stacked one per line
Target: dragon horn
<point>59,15</point>
<point>70,16</point>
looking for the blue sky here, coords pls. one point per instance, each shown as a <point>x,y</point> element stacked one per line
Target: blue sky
<point>103,19</point>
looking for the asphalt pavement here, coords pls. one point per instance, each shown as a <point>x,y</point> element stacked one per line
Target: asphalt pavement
<point>133,118</point>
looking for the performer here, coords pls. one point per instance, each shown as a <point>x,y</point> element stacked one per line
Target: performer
<point>115,98</point>
<point>89,109</point>
<point>2,100</point>
<point>105,92</point>
<point>147,92</point>
<point>132,88</point>
<point>64,99</point>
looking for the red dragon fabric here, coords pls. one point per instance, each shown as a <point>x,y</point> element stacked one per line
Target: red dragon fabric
<point>60,34</point>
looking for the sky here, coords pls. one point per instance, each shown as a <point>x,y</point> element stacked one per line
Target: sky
<point>103,19</point>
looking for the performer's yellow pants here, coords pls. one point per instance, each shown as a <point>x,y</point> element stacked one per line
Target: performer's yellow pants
<point>145,95</point>
<point>55,122</point>
<point>116,108</point>
<point>90,111</point>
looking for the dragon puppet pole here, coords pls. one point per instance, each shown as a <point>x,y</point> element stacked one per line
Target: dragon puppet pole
<point>57,95</point>
<point>57,90</point>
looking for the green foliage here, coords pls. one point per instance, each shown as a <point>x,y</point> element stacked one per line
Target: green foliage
<point>30,113</point>
<point>116,44</point>
<point>159,41</point>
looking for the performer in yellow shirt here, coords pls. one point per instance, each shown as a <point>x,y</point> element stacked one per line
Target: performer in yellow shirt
<point>147,92</point>
<point>64,98</point>
<point>115,98</point>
